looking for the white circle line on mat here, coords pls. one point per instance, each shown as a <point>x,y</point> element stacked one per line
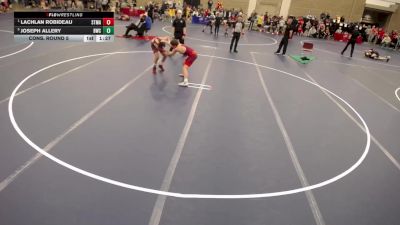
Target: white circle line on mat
<point>5,56</point>
<point>396,92</point>
<point>182,195</point>
<point>225,43</point>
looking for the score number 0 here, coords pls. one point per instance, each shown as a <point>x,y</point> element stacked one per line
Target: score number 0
<point>108,25</point>
<point>108,21</point>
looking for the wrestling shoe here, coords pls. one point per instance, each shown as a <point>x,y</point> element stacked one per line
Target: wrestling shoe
<point>161,67</point>
<point>184,84</point>
<point>387,59</point>
<point>154,70</point>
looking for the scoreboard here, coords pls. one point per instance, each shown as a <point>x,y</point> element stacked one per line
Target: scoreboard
<point>64,26</point>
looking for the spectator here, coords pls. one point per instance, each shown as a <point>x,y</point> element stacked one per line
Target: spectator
<point>98,5</point>
<point>139,27</point>
<point>210,23</point>
<point>321,30</point>
<point>79,5</point>
<point>104,5</point>
<point>252,19</point>
<point>265,18</point>
<point>218,22</point>
<point>395,40</point>
<point>74,4</point>
<point>368,32</point>
<point>306,33</point>
<point>373,34</point>
<point>260,23</point>
<point>163,9</point>
<point>219,6</point>
<point>281,25</point>
<point>394,37</point>
<point>380,36</point>
<point>195,12</point>
<point>148,23</point>
<point>308,25</point>
<point>4,6</point>
<point>150,11</point>
<point>386,41</point>
<point>312,32</point>
<point>327,34</point>
<point>210,4</point>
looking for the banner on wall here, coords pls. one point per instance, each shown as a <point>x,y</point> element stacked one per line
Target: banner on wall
<point>193,2</point>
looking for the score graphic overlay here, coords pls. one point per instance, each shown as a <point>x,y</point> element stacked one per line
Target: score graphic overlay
<point>64,26</point>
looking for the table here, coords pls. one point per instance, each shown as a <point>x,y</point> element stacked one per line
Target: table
<point>345,38</point>
<point>132,12</point>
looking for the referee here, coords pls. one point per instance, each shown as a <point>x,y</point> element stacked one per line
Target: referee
<point>237,32</point>
<point>285,39</point>
<point>352,41</point>
<point>179,26</point>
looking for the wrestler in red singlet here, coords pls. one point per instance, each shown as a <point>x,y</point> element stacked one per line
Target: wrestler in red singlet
<point>191,57</point>
<point>157,45</point>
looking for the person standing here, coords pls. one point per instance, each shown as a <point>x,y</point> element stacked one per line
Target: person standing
<point>210,23</point>
<point>218,22</point>
<point>265,18</point>
<point>373,34</point>
<point>104,5</point>
<point>219,6</point>
<point>150,11</point>
<point>252,19</point>
<point>237,32</point>
<point>179,25</point>
<point>209,4</point>
<point>286,35</point>
<point>380,35</point>
<point>352,42</point>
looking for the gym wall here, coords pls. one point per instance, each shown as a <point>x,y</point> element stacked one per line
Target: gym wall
<point>237,4</point>
<point>229,4</point>
<point>351,10</point>
<point>270,6</point>
<point>394,21</point>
